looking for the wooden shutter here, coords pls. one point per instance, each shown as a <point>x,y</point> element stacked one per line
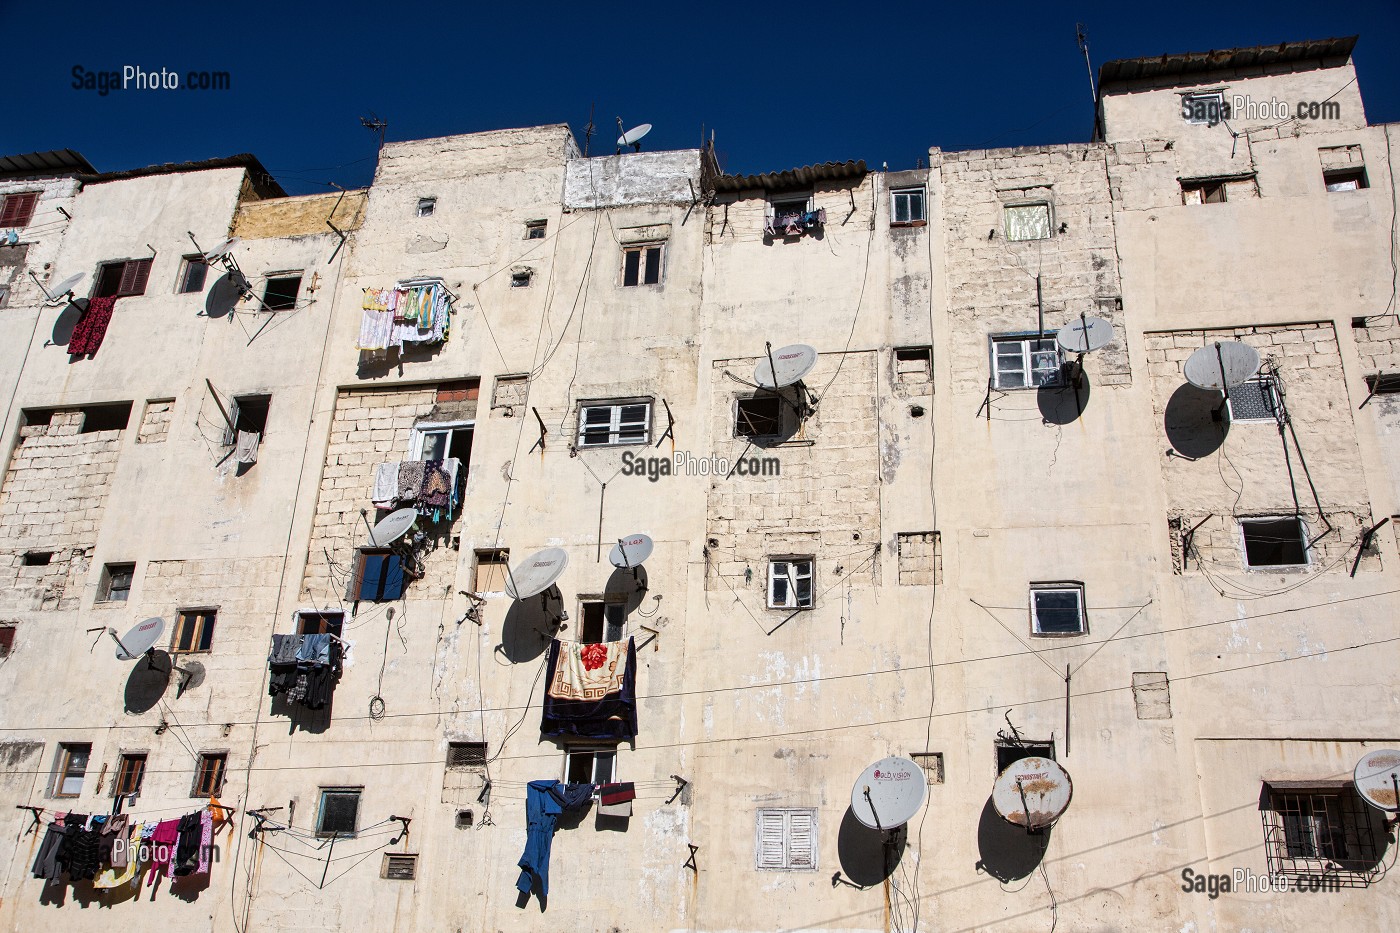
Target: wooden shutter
<point>231,426</point>
<point>18,209</point>
<point>772,839</point>
<point>802,839</point>
<point>135,272</point>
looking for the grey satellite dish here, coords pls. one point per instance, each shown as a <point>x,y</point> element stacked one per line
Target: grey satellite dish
<point>633,137</point>
<point>1085,335</point>
<point>632,551</point>
<point>888,793</point>
<point>1032,792</point>
<point>537,573</point>
<point>222,250</point>
<point>63,290</point>
<point>139,640</point>
<point>1377,778</point>
<point>391,528</point>
<point>790,363</point>
<point>1221,365</point>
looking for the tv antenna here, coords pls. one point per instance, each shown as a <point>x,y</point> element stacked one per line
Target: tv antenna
<point>632,137</point>
<point>1083,39</point>
<point>375,126</point>
<point>589,130</point>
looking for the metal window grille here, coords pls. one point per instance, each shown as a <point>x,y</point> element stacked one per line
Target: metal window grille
<point>1320,832</point>
<point>340,811</point>
<point>465,755</point>
<point>1254,401</point>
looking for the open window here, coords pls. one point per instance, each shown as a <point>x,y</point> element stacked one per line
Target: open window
<point>535,229</point>
<point>115,585</point>
<point>1205,108</point>
<point>131,771</point>
<point>123,278</point>
<point>490,575</point>
<point>194,631</point>
<point>281,292</point>
<point>602,621</point>
<point>444,440</point>
<point>339,812</point>
<point>317,622</point>
<point>1275,542</point>
<point>1343,168</point>
<point>590,764</point>
<point>193,271</point>
<point>790,583</point>
<point>1345,179</point>
<point>1203,191</point>
<point>246,426</point>
<point>209,776</point>
<point>426,206</point>
<point>1058,609</point>
<point>70,767</point>
<point>1010,751</point>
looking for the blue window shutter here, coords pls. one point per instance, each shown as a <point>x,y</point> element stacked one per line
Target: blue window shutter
<point>371,577</point>
<point>393,577</point>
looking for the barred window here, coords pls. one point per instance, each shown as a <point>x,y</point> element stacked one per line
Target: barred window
<point>1321,828</point>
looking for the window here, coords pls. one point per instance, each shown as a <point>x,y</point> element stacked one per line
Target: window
<point>913,364</point>
<point>131,768</point>
<point>426,206</point>
<point>786,839</point>
<point>120,279</point>
<point>247,414</point>
<point>465,756</point>
<point>194,631</point>
<point>625,422</point>
<point>790,583</point>
<point>281,292</point>
<point>378,576</point>
<point>1203,191</point>
<point>535,229</point>
<point>520,279</point>
<point>465,819</point>
<point>1253,402</point>
<point>1207,108</point>
<point>641,265</point>
<point>1274,542</point>
<point>597,765</point>
<point>602,621</point>
<point>907,206</point>
<point>38,558</point>
<point>319,623</point>
<point>760,416</point>
<point>16,210</point>
<point>444,441</point>
<point>113,417</point>
<point>69,769</point>
<point>339,813</point>
<point>1320,829</point>
<point>193,271</point>
<point>1025,361</point>
<point>1028,221</point>
<point>116,583</point>
<point>1057,609</point>
<point>399,866</point>
<point>490,576</point>
<point>1345,179</point>
<point>4,296</point>
<point>1008,752</point>
<point>7,640</point>
<point>932,764</point>
<point>209,777</point>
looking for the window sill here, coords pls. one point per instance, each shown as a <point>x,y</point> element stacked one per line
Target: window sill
<point>642,443</point>
<point>176,651</point>
<point>908,223</point>
<point>791,608</point>
<point>1058,634</point>
<point>109,603</point>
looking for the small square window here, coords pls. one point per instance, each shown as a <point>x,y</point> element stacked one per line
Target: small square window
<point>194,631</point>
<point>613,423</point>
<point>131,770</point>
<point>70,768</point>
<point>248,416</point>
<point>584,765</point>
<point>1028,222</point>
<point>790,583</point>
<point>398,866</point>
<point>491,572</point>
<point>122,279</point>
<point>1026,361</point>
<point>786,839</point>
<point>465,819</point>
<point>38,558</point>
<point>314,622</point>
<point>466,756</point>
<point>209,778</point>
<point>193,271</point>
<point>641,265</point>
<point>759,417</point>
<point>16,210</point>
<point>535,229</point>
<point>907,206</point>
<point>281,292</point>
<point>1009,752</point>
<point>339,812</point>
<point>116,583</point>
<point>1057,609</point>
<point>1274,542</point>
<point>602,621</point>
<point>426,206</point>
<point>7,640</point>
<point>1203,191</point>
<point>1207,108</point>
<point>913,364</point>
<point>1347,179</point>
<point>1253,402</point>
<point>1321,831</point>
<point>520,279</point>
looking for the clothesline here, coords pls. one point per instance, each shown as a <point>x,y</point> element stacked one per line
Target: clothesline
<point>131,816</point>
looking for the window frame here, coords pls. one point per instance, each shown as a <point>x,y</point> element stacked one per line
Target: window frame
<point>285,302</point>
<point>1269,392</point>
<point>1026,748</point>
<point>63,769</point>
<point>423,430</point>
<point>467,746</point>
<point>594,750</point>
<point>1275,568</point>
<point>385,592</point>
<point>1191,97</point>
<point>640,250</point>
<point>204,785</point>
<point>1027,359</point>
<point>811,862</point>
<point>109,573</point>
<point>793,577</point>
<point>429,202</point>
<point>1021,205</point>
<point>333,789</point>
<point>531,226</point>
<point>134,277</point>
<point>120,779</point>
<point>1287,855</point>
<point>807,200</point>
<point>491,558</point>
<point>1354,173</point>
<point>189,263</point>
<point>1058,586</point>
<point>764,397</point>
<point>918,193</point>
<point>1203,187</point>
<point>19,218</point>
<point>202,639</point>
<point>615,423</point>
<point>326,624</point>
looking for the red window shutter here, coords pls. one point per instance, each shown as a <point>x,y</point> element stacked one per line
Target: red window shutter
<point>134,275</point>
<point>18,209</point>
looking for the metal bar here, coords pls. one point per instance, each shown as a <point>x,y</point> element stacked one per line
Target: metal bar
<point>1067,677</point>
<point>1366,537</point>
<point>601,494</point>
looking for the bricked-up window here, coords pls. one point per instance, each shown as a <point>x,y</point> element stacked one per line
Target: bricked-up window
<point>913,365</point>
<point>491,574</point>
<point>790,583</point>
<point>7,640</point>
<point>907,206</point>
<point>1025,361</point>
<point>1203,191</point>
<point>311,622</point>
<point>281,292</point>
<point>131,769</point>
<point>1274,542</point>
<point>1320,829</point>
<point>535,229</point>
<point>612,423</point>
<point>1028,221</point>
<point>399,866</point>
<point>121,279</point>
<point>786,839</point>
<point>70,767</point>
<point>1058,609</point>
<point>194,631</point>
<point>1253,402</point>
<point>510,392</point>
<point>193,271</point>
<point>209,776</point>
<point>16,210</point>
<point>1345,179</point>
<point>466,756</point>
<point>339,812</point>
<point>1152,697</point>
<point>116,583</point>
<point>932,765</point>
<point>641,264</point>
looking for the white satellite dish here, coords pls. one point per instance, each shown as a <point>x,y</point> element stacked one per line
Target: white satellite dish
<point>537,573</point>
<point>631,551</point>
<point>1222,364</point>
<point>1377,778</point>
<point>888,793</point>
<point>1085,335</point>
<point>634,136</point>
<point>222,250</point>
<point>1032,792</point>
<point>790,363</point>
<point>391,528</point>
<point>139,640</point>
<point>63,291</point>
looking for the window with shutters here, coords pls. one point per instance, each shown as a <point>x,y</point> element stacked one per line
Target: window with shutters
<point>627,421</point>
<point>399,866</point>
<point>315,622</point>
<point>131,768</point>
<point>16,210</point>
<point>339,812</point>
<point>786,839</point>
<point>194,631</point>
<point>641,264</point>
<point>122,279</point>
<point>247,414</point>
<point>378,576</point>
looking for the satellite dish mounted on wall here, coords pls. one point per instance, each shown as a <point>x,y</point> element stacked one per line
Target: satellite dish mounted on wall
<point>218,253</point>
<point>632,137</point>
<point>1032,792</point>
<point>62,292</point>
<point>888,793</point>
<point>630,553</point>
<point>1085,335</point>
<point>390,528</point>
<point>536,573</point>
<point>1219,366</point>
<point>1377,779</point>
<point>785,367</point>
<point>139,640</point>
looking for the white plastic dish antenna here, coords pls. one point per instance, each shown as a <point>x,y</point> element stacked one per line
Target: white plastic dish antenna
<point>633,137</point>
<point>889,793</point>
<point>1377,778</point>
<point>1221,365</point>
<point>790,363</point>
<point>537,573</point>
<point>1032,792</point>
<point>391,528</point>
<point>222,250</point>
<point>631,551</point>
<point>63,291</point>
<point>1085,335</point>
<point>139,640</point>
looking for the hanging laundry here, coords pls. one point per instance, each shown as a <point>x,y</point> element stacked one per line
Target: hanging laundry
<point>163,844</point>
<point>385,493</point>
<point>48,863</point>
<point>191,834</point>
<point>206,839</point>
<point>91,327</point>
<point>411,474</point>
<point>544,801</point>
<point>591,690</point>
<point>128,851</point>
<point>113,829</point>
<point>246,450</point>
<point>79,856</point>
<point>437,486</point>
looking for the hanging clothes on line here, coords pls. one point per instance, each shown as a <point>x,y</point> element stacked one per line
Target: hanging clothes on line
<point>392,317</point>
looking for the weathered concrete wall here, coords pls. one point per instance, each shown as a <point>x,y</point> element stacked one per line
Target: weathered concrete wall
<point>634,178</point>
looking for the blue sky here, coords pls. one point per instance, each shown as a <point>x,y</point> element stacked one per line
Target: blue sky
<point>780,85</point>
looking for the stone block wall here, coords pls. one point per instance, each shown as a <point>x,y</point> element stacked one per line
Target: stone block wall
<point>155,421</point>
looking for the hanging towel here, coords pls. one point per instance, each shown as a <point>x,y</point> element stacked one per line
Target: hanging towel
<point>410,480</point>
<point>206,839</point>
<point>617,793</point>
<point>588,672</point>
<point>376,330</point>
<point>91,327</point>
<point>437,486</point>
<point>163,845</point>
<point>623,809</point>
<point>386,485</point>
<point>246,450</point>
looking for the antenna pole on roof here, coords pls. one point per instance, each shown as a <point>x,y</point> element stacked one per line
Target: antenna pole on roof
<point>375,125</point>
<point>772,369</point>
<point>589,129</point>
<point>1083,39</point>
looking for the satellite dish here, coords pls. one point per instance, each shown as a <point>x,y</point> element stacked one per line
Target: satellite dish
<point>1032,792</point>
<point>222,250</point>
<point>537,573</point>
<point>888,793</point>
<point>1377,777</point>
<point>1221,365</point>
<point>391,528</point>
<point>139,640</point>
<point>633,136</point>
<point>631,551</point>
<point>63,289</point>
<point>790,363</point>
<point>1085,335</point>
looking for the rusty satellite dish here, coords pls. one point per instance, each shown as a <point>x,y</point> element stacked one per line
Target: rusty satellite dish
<point>888,793</point>
<point>1221,365</point>
<point>790,363</point>
<point>1032,792</point>
<point>537,573</point>
<point>1377,778</point>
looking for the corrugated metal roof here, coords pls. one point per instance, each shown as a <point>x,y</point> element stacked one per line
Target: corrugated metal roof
<point>53,162</point>
<point>1182,64</point>
<point>802,177</point>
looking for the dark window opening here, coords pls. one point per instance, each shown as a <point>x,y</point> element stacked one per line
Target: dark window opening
<point>602,622</point>
<point>281,292</point>
<point>121,279</point>
<point>36,417</point>
<point>340,812</point>
<point>426,206</point>
<point>116,583</point>
<point>106,417</point>
<point>192,274</point>
<point>590,766</point>
<point>1203,192</point>
<point>759,416</point>
<point>520,280</point>
<point>194,631</point>
<point>466,755</point>
<point>1342,179</point>
<point>38,558</point>
<point>1323,830</point>
<point>1274,542</point>
<point>130,770</point>
<point>209,779</point>
<point>320,623</point>
<point>1057,609</point>
<point>16,210</point>
<point>641,265</point>
<point>913,364</point>
<point>7,640</point>
<point>465,819</point>
<point>1009,752</point>
<point>251,413</point>
<point>535,229</point>
<point>491,573</point>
